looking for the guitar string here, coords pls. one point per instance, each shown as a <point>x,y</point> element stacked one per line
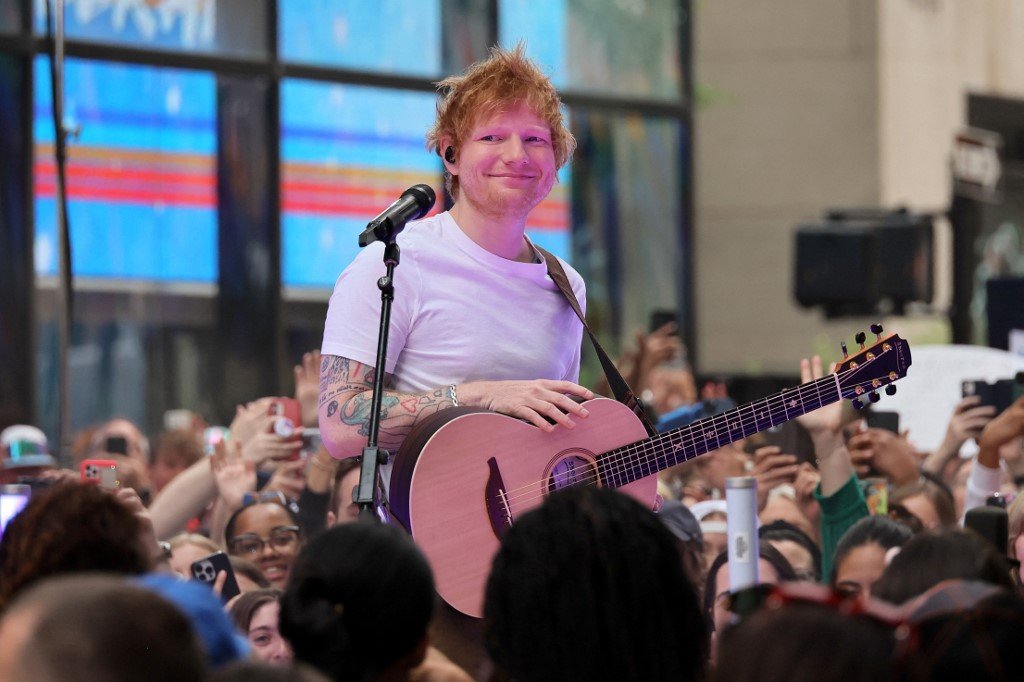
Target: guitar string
<point>537,489</point>
<point>622,466</point>
<point>816,384</point>
<point>529,492</point>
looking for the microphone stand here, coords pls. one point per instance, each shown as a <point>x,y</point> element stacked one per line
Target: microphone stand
<point>367,493</point>
<point>65,315</point>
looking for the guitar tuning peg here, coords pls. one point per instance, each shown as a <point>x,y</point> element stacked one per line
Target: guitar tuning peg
<point>859,338</point>
<point>876,329</point>
<point>874,397</point>
<point>857,404</point>
<point>890,390</point>
<point>846,353</point>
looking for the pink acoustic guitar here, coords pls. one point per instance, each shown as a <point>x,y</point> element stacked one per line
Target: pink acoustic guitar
<point>464,476</point>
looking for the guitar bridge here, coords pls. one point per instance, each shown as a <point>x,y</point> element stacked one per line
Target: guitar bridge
<point>499,513</point>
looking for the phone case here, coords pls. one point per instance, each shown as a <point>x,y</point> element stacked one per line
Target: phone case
<point>102,472</point>
<point>205,570</point>
<point>288,408</point>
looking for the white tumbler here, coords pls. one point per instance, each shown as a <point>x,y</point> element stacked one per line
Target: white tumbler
<point>741,509</point>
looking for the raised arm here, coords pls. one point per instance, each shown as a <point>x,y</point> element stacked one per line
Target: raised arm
<point>346,390</point>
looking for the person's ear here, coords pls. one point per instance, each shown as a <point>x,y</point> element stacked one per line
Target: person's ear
<point>331,519</point>
<point>446,149</point>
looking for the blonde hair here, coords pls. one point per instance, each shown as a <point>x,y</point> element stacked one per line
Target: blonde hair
<point>499,83</point>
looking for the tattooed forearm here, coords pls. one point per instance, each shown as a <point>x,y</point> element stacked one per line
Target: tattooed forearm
<point>346,389</point>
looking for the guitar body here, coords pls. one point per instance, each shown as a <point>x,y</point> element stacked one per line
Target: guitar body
<point>465,475</point>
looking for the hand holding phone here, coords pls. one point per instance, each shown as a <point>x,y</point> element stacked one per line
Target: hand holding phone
<point>207,569</point>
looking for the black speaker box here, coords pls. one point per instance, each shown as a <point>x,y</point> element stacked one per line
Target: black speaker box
<point>834,265</point>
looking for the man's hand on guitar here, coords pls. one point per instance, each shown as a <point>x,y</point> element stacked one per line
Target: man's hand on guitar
<point>539,402</point>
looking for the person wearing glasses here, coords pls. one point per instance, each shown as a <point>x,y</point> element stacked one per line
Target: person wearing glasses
<point>266,532</point>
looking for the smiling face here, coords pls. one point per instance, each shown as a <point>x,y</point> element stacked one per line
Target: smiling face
<point>506,165</point>
<point>266,522</point>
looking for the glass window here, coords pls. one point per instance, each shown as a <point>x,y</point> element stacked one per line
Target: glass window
<point>549,224</point>
<point>628,231</point>
<point>395,36</point>
<point>604,46</point>
<point>141,179</point>
<point>347,152</point>
<point>226,27</point>
<point>10,16</point>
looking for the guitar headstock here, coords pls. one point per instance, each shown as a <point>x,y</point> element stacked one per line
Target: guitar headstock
<point>861,375</point>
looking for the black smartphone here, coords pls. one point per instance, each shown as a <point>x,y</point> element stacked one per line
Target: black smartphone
<point>999,394</point>
<point>207,569</point>
<point>659,318</point>
<point>890,421</point>
<point>117,445</point>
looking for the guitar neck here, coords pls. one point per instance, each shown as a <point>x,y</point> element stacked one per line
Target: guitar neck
<point>638,460</point>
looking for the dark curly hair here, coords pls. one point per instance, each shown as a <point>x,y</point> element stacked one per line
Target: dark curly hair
<point>359,599</point>
<point>590,586</point>
<point>69,528</point>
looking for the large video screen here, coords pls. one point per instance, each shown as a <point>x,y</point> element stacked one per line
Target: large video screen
<point>141,173</point>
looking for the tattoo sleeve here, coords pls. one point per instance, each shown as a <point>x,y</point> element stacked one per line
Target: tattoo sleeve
<point>346,388</point>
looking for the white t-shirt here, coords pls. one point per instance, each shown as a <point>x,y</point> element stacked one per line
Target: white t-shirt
<point>460,313</point>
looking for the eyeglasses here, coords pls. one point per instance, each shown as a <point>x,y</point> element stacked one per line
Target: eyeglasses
<point>281,538</point>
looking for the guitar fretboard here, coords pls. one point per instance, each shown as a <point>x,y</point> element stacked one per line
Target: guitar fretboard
<point>644,458</point>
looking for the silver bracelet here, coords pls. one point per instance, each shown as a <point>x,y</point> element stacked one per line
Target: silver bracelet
<point>453,396</point>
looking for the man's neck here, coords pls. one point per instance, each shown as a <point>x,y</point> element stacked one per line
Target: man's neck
<point>503,235</point>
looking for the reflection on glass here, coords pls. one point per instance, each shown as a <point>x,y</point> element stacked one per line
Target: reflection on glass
<point>396,36</point>
<point>141,179</point>
<point>347,152</point>
<point>628,236</point>
<point>236,27</point>
<point>605,46</point>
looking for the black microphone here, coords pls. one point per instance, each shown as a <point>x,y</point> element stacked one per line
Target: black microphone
<point>414,203</point>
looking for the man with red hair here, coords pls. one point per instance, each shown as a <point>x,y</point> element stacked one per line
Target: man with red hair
<point>476,318</point>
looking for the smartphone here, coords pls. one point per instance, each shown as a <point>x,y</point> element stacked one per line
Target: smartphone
<point>207,569</point>
<point>876,495</point>
<point>289,408</point>
<point>999,394</point>
<point>117,445</point>
<point>102,472</point>
<point>13,498</point>
<point>890,421</point>
<point>659,318</point>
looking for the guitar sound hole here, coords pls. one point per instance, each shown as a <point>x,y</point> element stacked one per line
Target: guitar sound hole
<point>572,471</point>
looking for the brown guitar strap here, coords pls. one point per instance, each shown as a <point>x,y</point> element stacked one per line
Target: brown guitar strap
<point>619,387</point>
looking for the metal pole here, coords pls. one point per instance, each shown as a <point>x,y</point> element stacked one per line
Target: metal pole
<point>65,310</point>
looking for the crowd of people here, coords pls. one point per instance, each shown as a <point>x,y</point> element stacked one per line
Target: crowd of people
<point>238,552</point>
<point>101,584</point>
